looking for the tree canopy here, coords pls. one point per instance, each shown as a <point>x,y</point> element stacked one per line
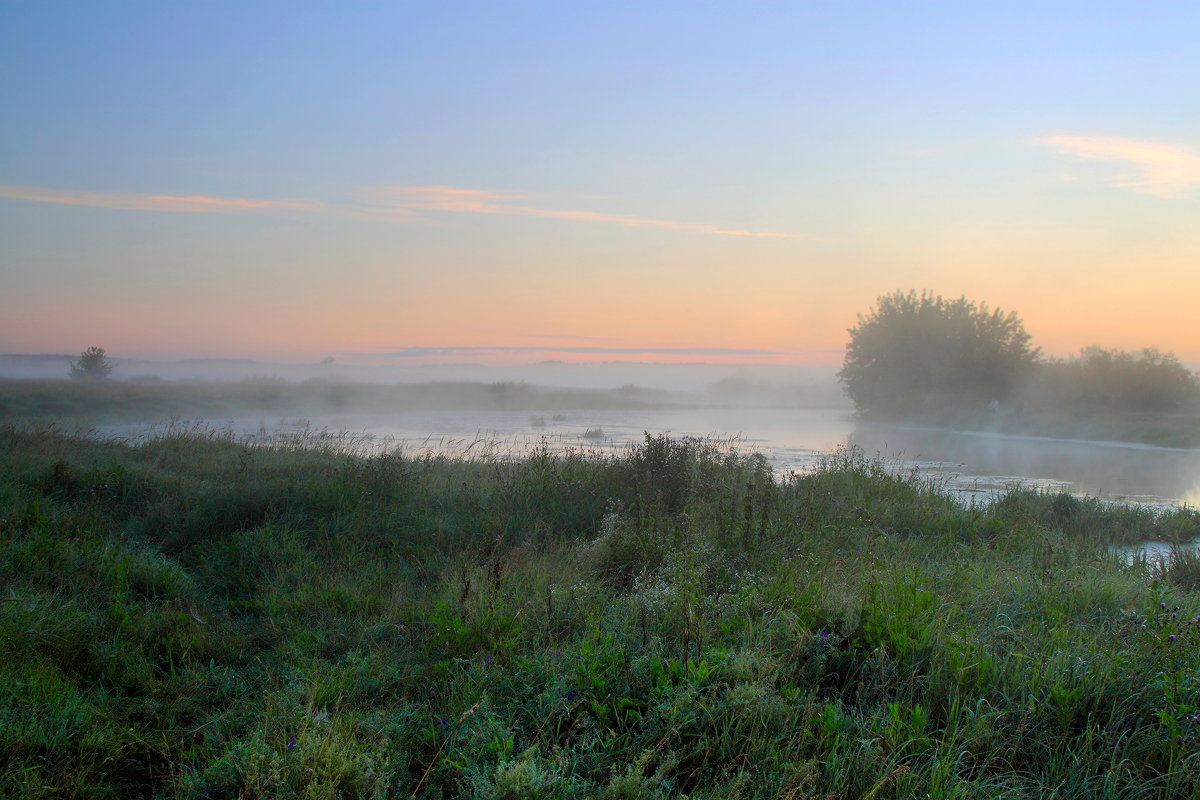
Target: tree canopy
<point>914,355</point>
<point>1101,379</point>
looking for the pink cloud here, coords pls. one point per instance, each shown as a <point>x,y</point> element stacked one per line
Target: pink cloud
<point>149,202</point>
<point>406,199</point>
<point>1163,170</point>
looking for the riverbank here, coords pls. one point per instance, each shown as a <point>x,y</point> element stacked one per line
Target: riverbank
<point>1177,430</point>
<point>1180,430</point>
<point>513,418</point>
<point>99,402</point>
<point>198,616</point>
<point>151,401</point>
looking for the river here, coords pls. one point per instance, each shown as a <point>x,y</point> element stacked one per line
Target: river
<point>974,466</point>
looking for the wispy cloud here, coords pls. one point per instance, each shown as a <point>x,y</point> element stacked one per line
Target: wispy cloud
<point>190,204</point>
<point>1163,170</point>
<point>569,337</point>
<point>405,201</point>
<point>468,350</point>
<point>454,199</point>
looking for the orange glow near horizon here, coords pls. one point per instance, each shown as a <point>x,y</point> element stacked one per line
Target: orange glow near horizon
<point>313,331</point>
<point>511,281</point>
<point>774,333</point>
<point>567,183</point>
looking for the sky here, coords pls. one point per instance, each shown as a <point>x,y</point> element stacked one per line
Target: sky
<point>677,181</point>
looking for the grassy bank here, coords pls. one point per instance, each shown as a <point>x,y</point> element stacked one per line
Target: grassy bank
<point>1164,429</point>
<point>97,402</point>
<point>196,617</point>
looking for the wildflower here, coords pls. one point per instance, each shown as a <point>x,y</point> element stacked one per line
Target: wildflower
<point>1171,637</point>
<point>442,721</point>
<point>486,658</point>
<point>291,742</point>
<point>824,635</point>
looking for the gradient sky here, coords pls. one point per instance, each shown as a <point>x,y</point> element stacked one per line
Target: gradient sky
<point>590,181</point>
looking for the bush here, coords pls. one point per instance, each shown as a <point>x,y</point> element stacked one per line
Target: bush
<point>1099,379</point>
<point>93,365</point>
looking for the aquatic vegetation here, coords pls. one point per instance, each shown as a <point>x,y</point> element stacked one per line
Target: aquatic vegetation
<point>204,615</point>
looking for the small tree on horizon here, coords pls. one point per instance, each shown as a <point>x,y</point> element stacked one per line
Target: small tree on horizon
<point>93,365</point>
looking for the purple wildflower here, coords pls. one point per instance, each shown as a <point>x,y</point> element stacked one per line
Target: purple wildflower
<point>291,742</point>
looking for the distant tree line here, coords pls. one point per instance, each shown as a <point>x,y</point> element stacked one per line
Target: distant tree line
<point>1116,380</point>
<point>922,356</point>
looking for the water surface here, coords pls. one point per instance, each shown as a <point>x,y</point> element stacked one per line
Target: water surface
<point>971,465</point>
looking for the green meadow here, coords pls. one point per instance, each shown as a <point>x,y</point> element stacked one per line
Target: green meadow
<point>86,402</point>
<point>198,616</point>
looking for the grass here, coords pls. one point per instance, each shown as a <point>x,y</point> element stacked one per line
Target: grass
<point>94,402</point>
<point>200,616</point>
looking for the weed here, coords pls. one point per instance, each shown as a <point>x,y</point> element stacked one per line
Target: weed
<point>204,615</point>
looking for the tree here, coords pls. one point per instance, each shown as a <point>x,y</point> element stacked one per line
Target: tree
<point>922,355</point>
<point>93,365</point>
<point>1100,379</point>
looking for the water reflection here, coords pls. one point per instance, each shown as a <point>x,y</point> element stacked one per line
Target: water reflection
<point>1154,556</point>
<point>1108,470</point>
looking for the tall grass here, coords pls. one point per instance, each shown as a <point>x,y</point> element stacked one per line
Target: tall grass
<point>206,616</point>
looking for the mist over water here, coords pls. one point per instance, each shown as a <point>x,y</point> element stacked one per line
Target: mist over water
<point>793,415</point>
<point>975,466</point>
<point>1119,471</point>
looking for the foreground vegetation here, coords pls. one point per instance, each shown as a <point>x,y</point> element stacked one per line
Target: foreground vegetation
<point>202,617</point>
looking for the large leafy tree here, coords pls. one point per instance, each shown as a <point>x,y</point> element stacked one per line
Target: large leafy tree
<point>922,355</point>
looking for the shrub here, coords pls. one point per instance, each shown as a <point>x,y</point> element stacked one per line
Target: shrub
<point>93,365</point>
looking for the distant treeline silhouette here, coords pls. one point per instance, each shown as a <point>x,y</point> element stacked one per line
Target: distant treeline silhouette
<point>923,357</point>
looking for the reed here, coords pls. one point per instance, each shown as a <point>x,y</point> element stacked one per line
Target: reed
<point>201,614</point>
